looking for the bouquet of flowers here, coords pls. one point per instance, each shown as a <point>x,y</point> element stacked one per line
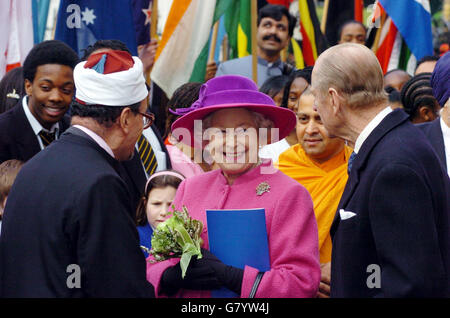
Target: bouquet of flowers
<point>178,236</point>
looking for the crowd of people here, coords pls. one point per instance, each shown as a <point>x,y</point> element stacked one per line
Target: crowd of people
<point>350,165</point>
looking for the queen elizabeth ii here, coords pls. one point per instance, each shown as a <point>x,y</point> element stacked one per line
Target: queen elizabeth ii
<point>234,118</point>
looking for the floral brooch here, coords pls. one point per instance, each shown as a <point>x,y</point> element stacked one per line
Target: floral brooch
<point>262,187</point>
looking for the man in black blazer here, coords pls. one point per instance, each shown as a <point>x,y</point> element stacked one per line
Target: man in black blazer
<point>136,175</point>
<point>391,231</point>
<point>39,117</point>
<point>68,228</point>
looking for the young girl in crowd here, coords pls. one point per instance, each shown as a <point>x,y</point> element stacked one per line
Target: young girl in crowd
<point>154,205</point>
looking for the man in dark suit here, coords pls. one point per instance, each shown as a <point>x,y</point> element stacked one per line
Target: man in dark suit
<point>39,117</point>
<point>137,170</point>
<point>438,131</point>
<point>391,231</point>
<point>68,228</point>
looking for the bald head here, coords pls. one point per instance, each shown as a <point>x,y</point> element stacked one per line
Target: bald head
<point>353,71</point>
<point>396,79</point>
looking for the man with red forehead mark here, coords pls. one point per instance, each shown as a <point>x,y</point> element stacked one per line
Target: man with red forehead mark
<point>68,228</point>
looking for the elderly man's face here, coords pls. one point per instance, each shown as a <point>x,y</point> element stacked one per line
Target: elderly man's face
<point>234,140</point>
<point>311,133</point>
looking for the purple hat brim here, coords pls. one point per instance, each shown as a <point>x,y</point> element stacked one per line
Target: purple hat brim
<point>284,119</point>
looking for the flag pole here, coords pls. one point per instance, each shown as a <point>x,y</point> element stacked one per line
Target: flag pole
<point>323,24</point>
<point>254,13</point>
<point>212,47</point>
<point>153,35</point>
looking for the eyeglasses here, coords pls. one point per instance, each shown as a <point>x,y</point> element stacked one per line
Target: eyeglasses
<point>147,119</point>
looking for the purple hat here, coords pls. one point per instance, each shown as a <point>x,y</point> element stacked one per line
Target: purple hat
<point>234,91</point>
<point>440,79</point>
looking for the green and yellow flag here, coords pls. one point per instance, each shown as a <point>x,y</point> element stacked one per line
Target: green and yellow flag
<point>238,27</point>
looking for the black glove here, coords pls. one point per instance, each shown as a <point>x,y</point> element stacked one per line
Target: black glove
<point>199,276</point>
<point>231,277</point>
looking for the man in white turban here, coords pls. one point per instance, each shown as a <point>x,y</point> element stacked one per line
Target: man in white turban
<point>68,228</point>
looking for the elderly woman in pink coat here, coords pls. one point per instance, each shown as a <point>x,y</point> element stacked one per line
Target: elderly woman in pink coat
<point>228,122</point>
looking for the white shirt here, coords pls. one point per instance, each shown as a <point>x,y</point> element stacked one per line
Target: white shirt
<point>99,140</point>
<point>370,127</point>
<point>35,125</point>
<point>273,151</point>
<point>446,134</point>
<point>159,153</point>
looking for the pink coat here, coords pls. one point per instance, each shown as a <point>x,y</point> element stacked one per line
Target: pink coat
<point>291,227</point>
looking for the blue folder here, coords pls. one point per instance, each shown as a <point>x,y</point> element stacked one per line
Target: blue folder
<point>238,238</point>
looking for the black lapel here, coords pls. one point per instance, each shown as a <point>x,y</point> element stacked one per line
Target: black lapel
<point>391,121</point>
<point>24,136</point>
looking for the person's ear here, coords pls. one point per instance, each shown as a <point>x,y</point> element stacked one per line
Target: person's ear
<point>426,113</point>
<point>125,119</point>
<point>335,100</point>
<point>28,87</point>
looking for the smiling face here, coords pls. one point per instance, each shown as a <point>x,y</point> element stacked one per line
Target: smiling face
<point>273,35</point>
<point>312,135</point>
<point>50,93</point>
<point>158,204</point>
<point>234,141</point>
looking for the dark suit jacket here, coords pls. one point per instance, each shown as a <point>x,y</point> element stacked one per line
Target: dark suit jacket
<point>135,177</point>
<point>400,194</point>
<point>433,132</point>
<point>17,138</point>
<point>67,206</point>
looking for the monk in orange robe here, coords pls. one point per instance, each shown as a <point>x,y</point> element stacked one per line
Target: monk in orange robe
<point>319,163</point>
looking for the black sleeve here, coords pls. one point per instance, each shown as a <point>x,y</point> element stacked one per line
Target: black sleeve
<point>110,259</point>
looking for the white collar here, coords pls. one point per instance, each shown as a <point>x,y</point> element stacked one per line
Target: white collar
<point>99,140</point>
<point>445,129</point>
<point>370,127</point>
<point>35,125</point>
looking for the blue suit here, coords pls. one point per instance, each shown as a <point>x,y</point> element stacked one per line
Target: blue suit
<point>400,195</point>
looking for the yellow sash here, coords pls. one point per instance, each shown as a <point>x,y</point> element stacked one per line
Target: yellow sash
<point>325,183</point>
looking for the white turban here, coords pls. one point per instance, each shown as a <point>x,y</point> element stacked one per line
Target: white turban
<point>111,81</point>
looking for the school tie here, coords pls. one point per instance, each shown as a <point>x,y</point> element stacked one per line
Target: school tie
<point>147,155</point>
<point>350,161</point>
<point>46,137</point>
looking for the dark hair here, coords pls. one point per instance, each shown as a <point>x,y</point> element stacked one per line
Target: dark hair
<point>104,115</point>
<point>13,80</point>
<point>183,97</point>
<point>158,182</point>
<point>427,58</point>
<point>417,92</point>
<point>277,12</point>
<point>104,44</point>
<point>303,73</point>
<point>273,85</point>
<point>48,52</point>
<point>347,22</point>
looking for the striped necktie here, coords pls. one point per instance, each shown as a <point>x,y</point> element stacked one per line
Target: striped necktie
<point>350,161</point>
<point>46,137</point>
<point>147,155</point>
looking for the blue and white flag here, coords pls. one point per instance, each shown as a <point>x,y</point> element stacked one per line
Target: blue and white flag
<point>413,19</point>
<point>82,22</point>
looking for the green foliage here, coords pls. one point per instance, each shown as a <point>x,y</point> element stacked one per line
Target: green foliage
<point>178,236</point>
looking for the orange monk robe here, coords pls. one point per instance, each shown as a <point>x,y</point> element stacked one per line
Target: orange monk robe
<point>325,183</point>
